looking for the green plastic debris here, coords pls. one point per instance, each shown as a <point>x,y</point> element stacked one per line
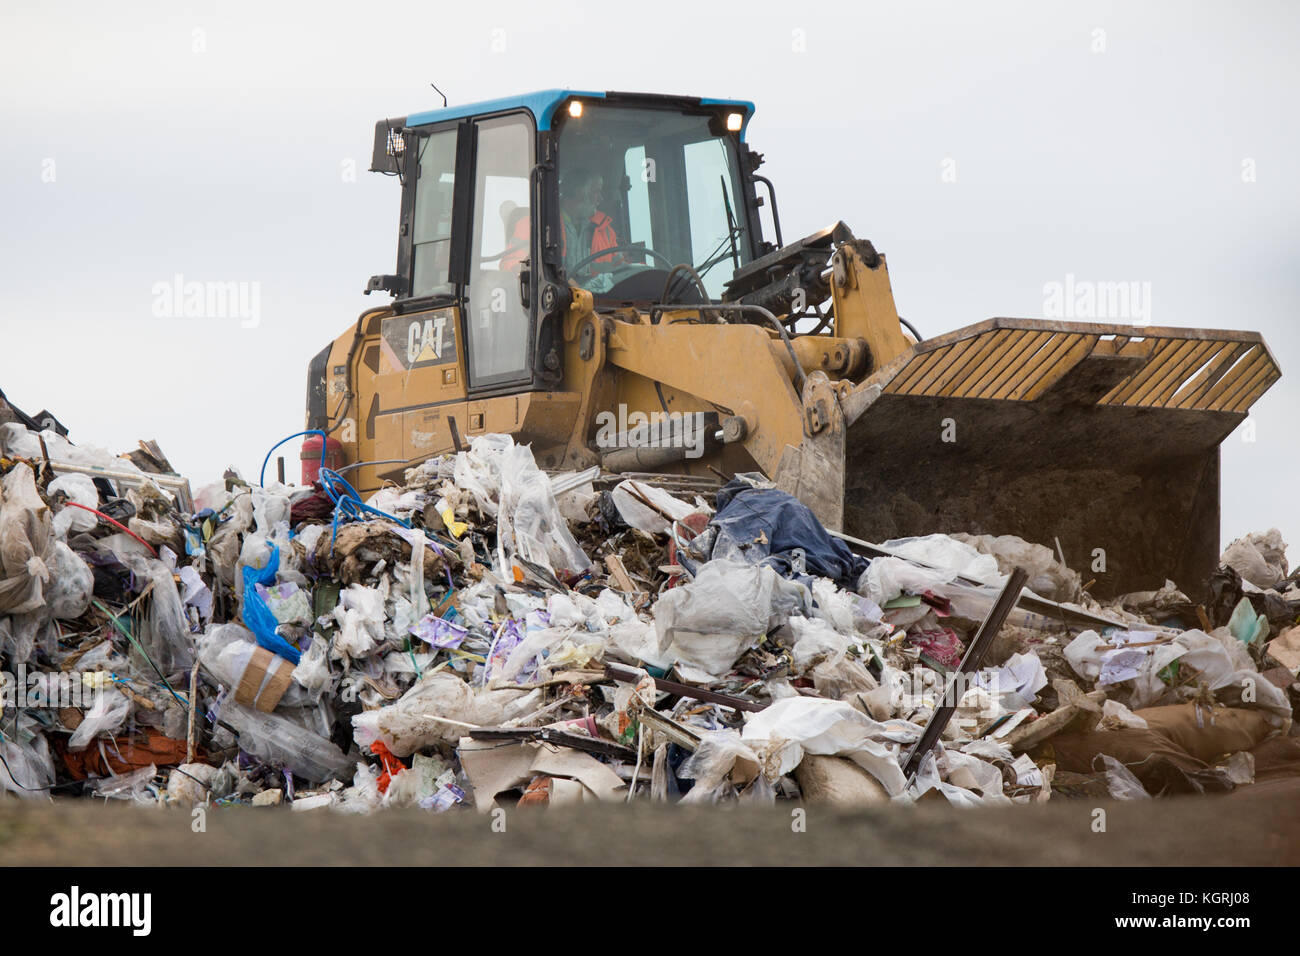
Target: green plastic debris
<point>1245,625</point>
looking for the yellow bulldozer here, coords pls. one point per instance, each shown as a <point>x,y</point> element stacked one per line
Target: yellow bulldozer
<point>589,273</point>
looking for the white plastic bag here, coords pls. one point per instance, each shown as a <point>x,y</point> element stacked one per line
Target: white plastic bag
<point>628,495</point>
<point>949,554</point>
<point>81,490</point>
<point>71,583</point>
<point>815,642</point>
<point>728,608</point>
<point>360,616</point>
<point>437,709</point>
<point>225,653</point>
<point>781,733</point>
<point>1258,558</point>
<point>105,717</point>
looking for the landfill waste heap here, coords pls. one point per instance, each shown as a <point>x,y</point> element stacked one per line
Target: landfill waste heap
<point>489,635</point>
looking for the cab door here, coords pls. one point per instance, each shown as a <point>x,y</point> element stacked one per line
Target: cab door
<point>498,336</point>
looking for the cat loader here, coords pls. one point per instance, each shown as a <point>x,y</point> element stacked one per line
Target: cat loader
<point>589,273</point>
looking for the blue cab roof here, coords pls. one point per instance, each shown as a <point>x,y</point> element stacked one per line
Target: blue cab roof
<point>542,104</point>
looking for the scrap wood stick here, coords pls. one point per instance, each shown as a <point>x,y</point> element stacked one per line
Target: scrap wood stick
<point>562,678</point>
<point>619,573</point>
<point>680,734</point>
<point>1118,647</point>
<point>636,493</point>
<point>189,733</point>
<point>626,675</point>
<point>979,646</point>
<point>551,735</point>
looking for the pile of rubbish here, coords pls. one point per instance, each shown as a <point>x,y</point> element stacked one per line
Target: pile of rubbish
<point>489,634</point>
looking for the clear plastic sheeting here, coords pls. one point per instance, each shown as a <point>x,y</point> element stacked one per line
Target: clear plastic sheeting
<point>31,766</point>
<point>529,522</point>
<point>648,508</point>
<point>728,608</point>
<point>1121,782</point>
<point>25,530</point>
<point>281,742</point>
<point>505,482</point>
<point>165,636</point>
<point>721,761</point>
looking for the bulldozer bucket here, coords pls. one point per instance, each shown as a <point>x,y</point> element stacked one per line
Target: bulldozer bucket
<point>1102,440</point>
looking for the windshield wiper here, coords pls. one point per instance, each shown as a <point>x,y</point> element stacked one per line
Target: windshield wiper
<point>715,257</point>
<point>731,220</point>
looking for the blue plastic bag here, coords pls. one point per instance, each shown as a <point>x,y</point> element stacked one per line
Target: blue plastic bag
<point>258,617</point>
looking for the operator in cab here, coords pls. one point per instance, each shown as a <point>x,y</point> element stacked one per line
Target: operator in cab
<point>587,230</point>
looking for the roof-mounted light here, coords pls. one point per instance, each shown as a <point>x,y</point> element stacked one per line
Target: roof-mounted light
<point>735,121</point>
<point>575,108</point>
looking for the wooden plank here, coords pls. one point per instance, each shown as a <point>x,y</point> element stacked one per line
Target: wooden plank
<point>1077,353</point>
<point>1243,379</point>
<point>978,362</point>
<point>1246,366</point>
<point>1041,364</point>
<point>1251,395</point>
<point>1014,342</point>
<point>914,368</point>
<point>1154,359</point>
<point>1220,362</point>
<point>1179,375</point>
<point>999,374</point>
<point>619,573</point>
<point>1027,362</point>
<point>1170,362</point>
<point>922,385</point>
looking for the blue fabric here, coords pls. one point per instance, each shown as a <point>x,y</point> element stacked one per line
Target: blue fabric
<point>258,617</point>
<point>766,525</point>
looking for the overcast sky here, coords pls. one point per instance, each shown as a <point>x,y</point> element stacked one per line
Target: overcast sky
<point>989,149</point>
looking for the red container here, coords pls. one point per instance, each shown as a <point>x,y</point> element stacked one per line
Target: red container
<point>310,455</point>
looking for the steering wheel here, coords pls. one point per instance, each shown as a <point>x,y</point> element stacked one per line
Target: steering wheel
<point>639,250</point>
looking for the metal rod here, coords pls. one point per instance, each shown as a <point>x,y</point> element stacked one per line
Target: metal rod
<point>979,646</point>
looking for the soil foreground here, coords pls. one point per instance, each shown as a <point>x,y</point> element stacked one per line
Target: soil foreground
<point>1255,826</point>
